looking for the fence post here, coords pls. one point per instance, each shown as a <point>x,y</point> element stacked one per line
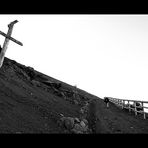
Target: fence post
<point>135,108</point>
<point>143,111</point>
<point>122,104</point>
<point>144,115</point>
<point>129,107</point>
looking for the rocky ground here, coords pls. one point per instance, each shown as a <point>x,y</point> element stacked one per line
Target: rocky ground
<point>32,102</point>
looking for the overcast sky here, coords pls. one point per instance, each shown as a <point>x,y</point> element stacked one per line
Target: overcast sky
<point>106,55</point>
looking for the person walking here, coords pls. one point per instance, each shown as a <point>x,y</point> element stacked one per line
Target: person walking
<point>106,100</point>
<point>0,48</point>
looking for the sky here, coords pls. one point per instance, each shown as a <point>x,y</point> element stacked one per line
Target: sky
<point>105,55</point>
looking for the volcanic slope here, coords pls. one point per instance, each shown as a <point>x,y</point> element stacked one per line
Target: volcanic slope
<point>31,102</point>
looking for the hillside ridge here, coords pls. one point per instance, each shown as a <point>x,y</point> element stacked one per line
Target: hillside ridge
<point>32,102</point>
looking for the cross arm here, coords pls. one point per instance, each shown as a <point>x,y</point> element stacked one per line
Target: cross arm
<point>11,38</point>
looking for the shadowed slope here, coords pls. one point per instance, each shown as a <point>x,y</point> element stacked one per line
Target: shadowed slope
<point>27,105</point>
<point>32,102</point>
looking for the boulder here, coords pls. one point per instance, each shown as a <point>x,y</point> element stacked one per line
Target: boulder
<point>69,122</point>
<point>77,128</point>
<point>30,72</point>
<point>86,129</point>
<point>80,128</point>
<point>61,121</point>
<point>85,121</point>
<point>82,124</point>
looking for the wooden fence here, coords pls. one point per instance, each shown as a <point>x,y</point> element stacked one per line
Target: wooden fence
<point>129,106</point>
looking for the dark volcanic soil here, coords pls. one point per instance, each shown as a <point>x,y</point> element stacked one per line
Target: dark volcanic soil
<point>32,102</point>
<point>115,120</point>
<point>27,105</point>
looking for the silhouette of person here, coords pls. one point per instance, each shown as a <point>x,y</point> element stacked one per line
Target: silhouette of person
<point>106,100</point>
<point>0,48</point>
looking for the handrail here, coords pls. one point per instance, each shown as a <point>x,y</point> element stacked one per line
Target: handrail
<point>133,107</point>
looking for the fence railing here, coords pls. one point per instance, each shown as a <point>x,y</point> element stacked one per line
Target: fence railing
<point>131,105</point>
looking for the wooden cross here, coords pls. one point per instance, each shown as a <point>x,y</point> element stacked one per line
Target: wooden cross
<point>7,38</point>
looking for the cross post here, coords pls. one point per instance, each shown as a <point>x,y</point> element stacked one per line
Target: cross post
<point>6,42</point>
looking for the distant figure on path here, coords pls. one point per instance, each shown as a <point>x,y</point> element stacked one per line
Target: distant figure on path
<point>106,100</point>
<point>0,48</point>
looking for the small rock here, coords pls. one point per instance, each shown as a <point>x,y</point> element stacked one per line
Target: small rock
<point>82,111</point>
<point>85,121</point>
<point>36,83</point>
<point>77,128</point>
<point>76,131</point>
<point>60,123</point>
<point>55,100</point>
<point>90,130</point>
<point>82,124</point>
<point>76,102</point>
<point>61,115</point>
<point>86,104</point>
<point>77,120</point>
<point>85,129</point>
<point>63,95</point>
<point>63,119</point>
